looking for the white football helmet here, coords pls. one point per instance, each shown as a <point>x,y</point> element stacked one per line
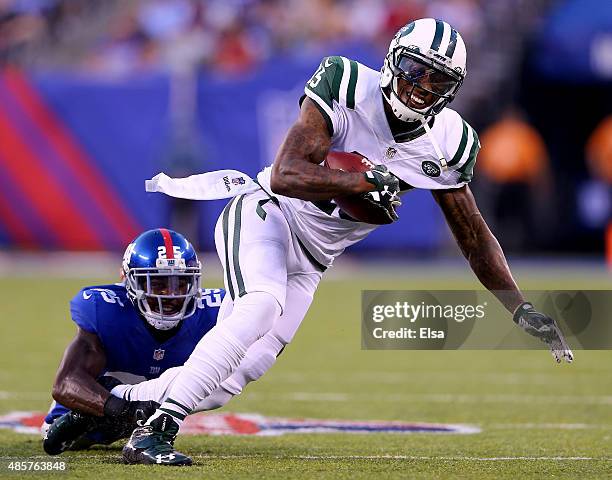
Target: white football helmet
<point>424,69</point>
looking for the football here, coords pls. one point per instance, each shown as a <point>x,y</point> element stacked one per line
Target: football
<point>354,206</point>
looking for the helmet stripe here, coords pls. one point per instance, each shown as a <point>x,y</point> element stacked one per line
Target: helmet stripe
<point>450,50</point>
<point>437,40</point>
<point>168,242</point>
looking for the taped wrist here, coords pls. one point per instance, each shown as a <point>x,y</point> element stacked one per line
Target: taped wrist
<point>115,406</point>
<point>523,308</point>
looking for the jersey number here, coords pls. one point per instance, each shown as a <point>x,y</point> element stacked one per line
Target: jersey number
<point>316,78</point>
<point>107,295</point>
<point>161,251</point>
<point>210,297</point>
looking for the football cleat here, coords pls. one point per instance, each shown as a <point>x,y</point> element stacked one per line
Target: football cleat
<point>153,444</point>
<point>66,430</point>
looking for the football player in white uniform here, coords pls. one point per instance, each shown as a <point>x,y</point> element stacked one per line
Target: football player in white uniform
<point>275,243</point>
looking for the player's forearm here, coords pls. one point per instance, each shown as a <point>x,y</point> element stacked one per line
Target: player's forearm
<point>479,245</point>
<point>488,262</point>
<point>80,392</point>
<point>297,171</point>
<point>301,179</point>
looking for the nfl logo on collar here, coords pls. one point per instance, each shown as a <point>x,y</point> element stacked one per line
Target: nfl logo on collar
<point>158,354</point>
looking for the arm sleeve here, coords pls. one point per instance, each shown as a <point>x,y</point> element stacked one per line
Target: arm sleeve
<point>83,310</point>
<point>326,88</point>
<point>463,146</point>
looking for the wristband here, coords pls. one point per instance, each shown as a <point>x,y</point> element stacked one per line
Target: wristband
<point>521,309</point>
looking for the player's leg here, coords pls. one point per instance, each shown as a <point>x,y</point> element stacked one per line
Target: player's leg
<point>252,244</point>
<point>263,353</point>
<point>253,249</point>
<point>259,358</point>
<point>157,389</point>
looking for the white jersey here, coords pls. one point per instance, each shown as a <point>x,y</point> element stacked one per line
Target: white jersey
<point>348,95</point>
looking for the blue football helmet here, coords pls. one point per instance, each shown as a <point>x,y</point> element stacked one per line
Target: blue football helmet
<point>162,277</point>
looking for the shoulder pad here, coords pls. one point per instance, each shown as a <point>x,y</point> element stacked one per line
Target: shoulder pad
<point>105,293</point>
<point>335,79</point>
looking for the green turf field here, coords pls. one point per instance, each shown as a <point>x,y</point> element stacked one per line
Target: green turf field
<point>537,418</point>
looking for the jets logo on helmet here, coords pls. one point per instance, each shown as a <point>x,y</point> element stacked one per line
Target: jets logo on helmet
<point>423,70</point>
<point>162,277</point>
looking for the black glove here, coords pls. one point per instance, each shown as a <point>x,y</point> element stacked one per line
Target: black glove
<point>385,194</point>
<point>545,328</point>
<point>131,414</point>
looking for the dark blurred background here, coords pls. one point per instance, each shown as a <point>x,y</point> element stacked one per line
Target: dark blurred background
<point>97,96</point>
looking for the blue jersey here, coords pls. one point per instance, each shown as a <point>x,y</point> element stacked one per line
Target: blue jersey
<point>130,347</point>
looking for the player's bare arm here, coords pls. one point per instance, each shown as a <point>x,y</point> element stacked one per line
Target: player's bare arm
<point>488,262</point>
<point>75,384</point>
<point>478,244</point>
<point>296,171</point>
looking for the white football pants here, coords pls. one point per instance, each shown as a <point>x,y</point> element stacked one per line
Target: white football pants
<point>259,253</point>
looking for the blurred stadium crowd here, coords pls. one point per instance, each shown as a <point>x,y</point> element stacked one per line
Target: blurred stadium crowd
<point>234,36</point>
<point>545,171</point>
<point>227,35</point>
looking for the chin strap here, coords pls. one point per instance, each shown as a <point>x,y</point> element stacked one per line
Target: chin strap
<point>441,158</point>
<point>432,139</point>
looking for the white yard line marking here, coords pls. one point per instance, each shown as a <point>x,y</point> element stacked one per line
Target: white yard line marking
<point>324,397</point>
<point>342,457</point>
<point>549,426</point>
<point>450,458</point>
<point>508,378</point>
<point>6,395</point>
<point>437,398</point>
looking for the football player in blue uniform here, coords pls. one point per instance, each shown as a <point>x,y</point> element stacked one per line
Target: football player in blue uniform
<point>130,331</point>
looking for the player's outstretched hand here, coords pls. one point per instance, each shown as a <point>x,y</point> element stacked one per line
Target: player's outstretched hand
<point>130,413</point>
<point>386,189</point>
<point>544,328</point>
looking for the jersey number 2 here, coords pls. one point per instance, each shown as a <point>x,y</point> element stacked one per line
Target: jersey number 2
<point>161,251</point>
